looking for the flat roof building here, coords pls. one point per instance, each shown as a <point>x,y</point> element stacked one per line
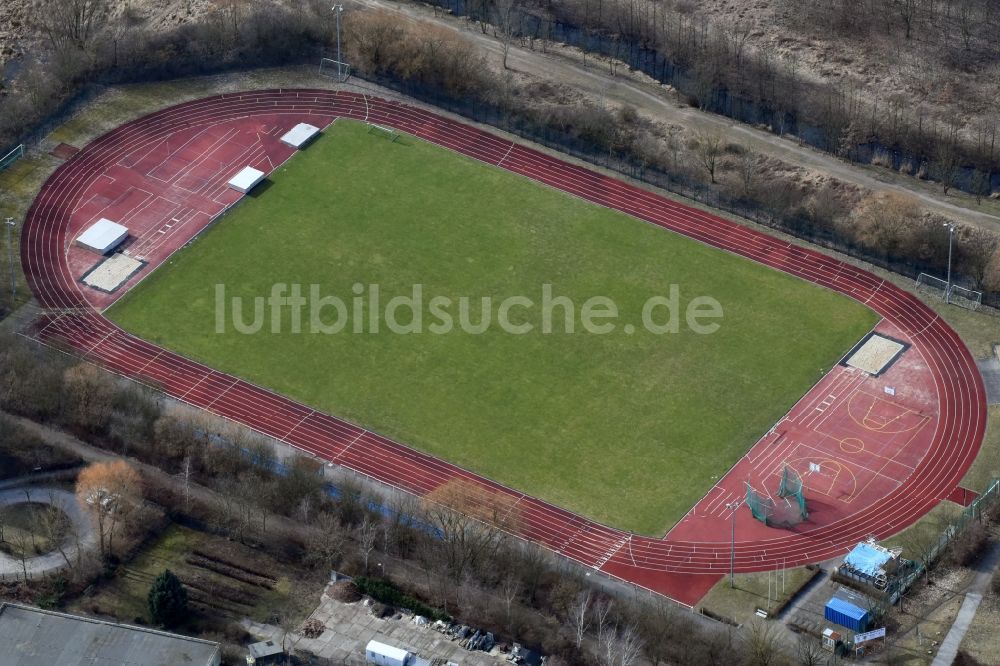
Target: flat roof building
<point>35,637</point>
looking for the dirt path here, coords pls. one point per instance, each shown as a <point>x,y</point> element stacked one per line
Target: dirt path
<point>565,65</point>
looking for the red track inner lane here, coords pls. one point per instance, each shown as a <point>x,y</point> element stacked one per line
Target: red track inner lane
<point>681,565</point>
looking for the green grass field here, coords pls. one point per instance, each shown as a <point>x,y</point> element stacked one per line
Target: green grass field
<point>628,429</point>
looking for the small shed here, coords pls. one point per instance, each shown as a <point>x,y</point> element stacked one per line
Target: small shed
<point>102,236</point>
<point>300,135</point>
<point>246,180</point>
<point>843,612</point>
<point>381,654</point>
<point>831,639</point>
<point>264,653</point>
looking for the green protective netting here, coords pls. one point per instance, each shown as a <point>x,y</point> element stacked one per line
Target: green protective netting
<point>789,512</point>
<point>791,482</point>
<point>761,507</point>
<point>791,488</point>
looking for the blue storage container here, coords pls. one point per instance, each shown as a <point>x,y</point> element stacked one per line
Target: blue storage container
<point>846,614</point>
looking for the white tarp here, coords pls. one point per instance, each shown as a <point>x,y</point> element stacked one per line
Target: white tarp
<point>246,179</point>
<point>103,236</point>
<point>299,135</point>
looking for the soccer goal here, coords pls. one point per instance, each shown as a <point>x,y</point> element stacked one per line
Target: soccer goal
<point>11,157</point>
<point>931,284</point>
<point>956,295</point>
<point>965,298</point>
<point>386,132</point>
<point>334,69</point>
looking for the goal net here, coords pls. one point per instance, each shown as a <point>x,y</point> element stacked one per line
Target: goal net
<point>931,284</point>
<point>956,295</point>
<point>334,69</point>
<point>965,298</point>
<point>386,132</point>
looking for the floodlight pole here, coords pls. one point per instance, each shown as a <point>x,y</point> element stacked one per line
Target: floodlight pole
<point>9,223</point>
<point>951,238</point>
<point>339,9</point>
<point>732,506</point>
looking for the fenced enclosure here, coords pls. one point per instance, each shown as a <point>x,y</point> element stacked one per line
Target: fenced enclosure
<point>788,510</point>
<point>955,529</point>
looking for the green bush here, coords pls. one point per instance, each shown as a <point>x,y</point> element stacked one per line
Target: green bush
<point>385,592</point>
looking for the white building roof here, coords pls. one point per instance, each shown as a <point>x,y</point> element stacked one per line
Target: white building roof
<point>103,236</point>
<point>246,179</point>
<point>299,135</point>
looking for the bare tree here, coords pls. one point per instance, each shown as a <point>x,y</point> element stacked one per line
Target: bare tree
<point>236,505</point>
<point>510,590</point>
<point>808,652</point>
<point>629,645</point>
<point>375,37</point>
<point>579,618</point>
<point>89,396</point>
<point>737,31</point>
<point>607,631</point>
<point>186,482</point>
<point>473,522</point>
<point>907,11</point>
<point>507,15</point>
<point>21,542</point>
<point>607,645</point>
<point>304,510</point>
<point>57,529</point>
<point>71,22</point>
<point>707,148</point>
<point>945,165</point>
<point>760,644</point>
<point>748,163</point>
<point>980,184</point>
<point>367,537</point>
<point>325,543</point>
<point>976,250</point>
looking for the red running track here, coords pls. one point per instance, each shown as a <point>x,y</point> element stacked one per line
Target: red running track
<point>682,568</point>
